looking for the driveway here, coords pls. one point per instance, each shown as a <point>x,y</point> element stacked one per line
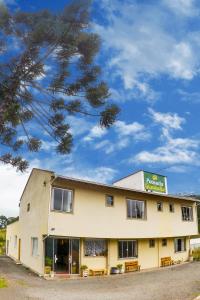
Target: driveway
<point>178,283</point>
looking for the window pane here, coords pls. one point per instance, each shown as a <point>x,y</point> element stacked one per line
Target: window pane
<point>159,206</point>
<point>129,213</point>
<point>135,248</point>
<point>120,245</point>
<point>34,246</point>
<point>109,200</point>
<point>140,209</point>
<point>89,248</point>
<point>67,200</point>
<point>57,199</point>
<point>100,247</point>
<point>134,209</point>
<point>130,249</point>
<point>125,249</point>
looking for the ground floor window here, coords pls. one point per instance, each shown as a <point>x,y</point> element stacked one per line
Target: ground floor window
<point>34,246</point>
<point>164,242</point>
<point>95,247</point>
<point>127,248</point>
<point>180,244</point>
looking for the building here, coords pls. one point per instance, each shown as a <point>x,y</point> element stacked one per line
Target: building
<point>66,222</point>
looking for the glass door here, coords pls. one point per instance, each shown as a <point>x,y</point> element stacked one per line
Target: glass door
<point>62,255</point>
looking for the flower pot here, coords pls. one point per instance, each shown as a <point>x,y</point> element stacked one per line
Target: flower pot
<point>114,271</point>
<point>84,273</point>
<point>47,270</point>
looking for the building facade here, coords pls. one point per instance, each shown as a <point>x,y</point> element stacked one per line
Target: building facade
<point>66,223</point>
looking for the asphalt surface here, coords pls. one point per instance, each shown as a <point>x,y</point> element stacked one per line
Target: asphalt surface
<point>180,282</point>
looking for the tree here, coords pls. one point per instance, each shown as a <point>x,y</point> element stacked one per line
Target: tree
<point>47,72</point>
<point>3,222</point>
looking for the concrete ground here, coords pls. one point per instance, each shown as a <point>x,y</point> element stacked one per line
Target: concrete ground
<point>172,283</point>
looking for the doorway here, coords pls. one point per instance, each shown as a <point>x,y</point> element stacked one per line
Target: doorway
<point>63,254</point>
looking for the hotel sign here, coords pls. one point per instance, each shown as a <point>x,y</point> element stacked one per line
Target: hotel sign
<point>154,183</point>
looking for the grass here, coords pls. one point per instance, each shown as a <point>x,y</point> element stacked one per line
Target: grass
<point>2,241</point>
<point>3,283</point>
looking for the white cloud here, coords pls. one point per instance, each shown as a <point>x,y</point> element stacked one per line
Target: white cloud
<point>182,7</point>
<point>96,132</point>
<point>193,97</point>
<point>175,151</point>
<point>99,174</point>
<point>143,47</point>
<point>167,120</point>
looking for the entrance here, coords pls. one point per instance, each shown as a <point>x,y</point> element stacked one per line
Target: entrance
<point>63,255</point>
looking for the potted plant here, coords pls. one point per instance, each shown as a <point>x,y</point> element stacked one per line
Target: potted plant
<point>120,268</point>
<point>48,265</point>
<point>84,271</point>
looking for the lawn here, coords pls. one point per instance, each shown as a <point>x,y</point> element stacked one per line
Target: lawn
<point>2,241</point>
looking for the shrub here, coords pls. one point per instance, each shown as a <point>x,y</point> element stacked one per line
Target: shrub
<point>196,254</point>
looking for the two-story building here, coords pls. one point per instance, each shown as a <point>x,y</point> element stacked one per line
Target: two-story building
<point>72,222</point>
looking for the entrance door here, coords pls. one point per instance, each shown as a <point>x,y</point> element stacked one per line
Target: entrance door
<point>64,255</point>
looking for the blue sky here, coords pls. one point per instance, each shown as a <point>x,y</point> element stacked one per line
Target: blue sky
<point>150,57</point>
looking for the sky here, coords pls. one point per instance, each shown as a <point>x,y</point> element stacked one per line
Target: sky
<point>150,58</point>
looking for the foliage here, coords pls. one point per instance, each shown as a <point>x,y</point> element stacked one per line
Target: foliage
<point>84,267</point>
<point>2,241</point>
<point>3,222</point>
<point>48,72</point>
<point>48,261</point>
<point>196,253</point>
<point>3,283</point>
<point>119,266</point>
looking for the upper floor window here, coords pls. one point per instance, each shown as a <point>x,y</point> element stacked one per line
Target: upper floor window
<point>34,246</point>
<point>180,244</point>
<point>159,206</point>
<point>62,200</point>
<point>135,209</point>
<point>127,248</point>
<point>187,213</point>
<point>171,207</point>
<point>15,242</point>
<point>96,247</point>
<point>152,243</point>
<point>28,207</point>
<point>109,200</point>
<point>164,242</point>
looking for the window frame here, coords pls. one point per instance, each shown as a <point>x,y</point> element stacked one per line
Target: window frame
<point>95,240</point>
<point>154,243</point>
<point>106,202</point>
<point>164,244</point>
<point>161,202</point>
<point>173,210</point>
<point>52,200</point>
<point>192,215</point>
<point>126,241</point>
<point>136,218</point>
<point>34,238</point>
<point>185,246</point>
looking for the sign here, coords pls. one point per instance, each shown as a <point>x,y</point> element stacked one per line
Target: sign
<point>154,183</point>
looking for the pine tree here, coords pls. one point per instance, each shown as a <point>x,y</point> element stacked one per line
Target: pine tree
<point>49,74</point>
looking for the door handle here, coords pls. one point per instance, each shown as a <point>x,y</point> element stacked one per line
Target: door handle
<point>55,258</point>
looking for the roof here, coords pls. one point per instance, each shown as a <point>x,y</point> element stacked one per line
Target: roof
<point>93,183</point>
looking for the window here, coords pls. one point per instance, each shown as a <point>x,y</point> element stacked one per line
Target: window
<point>159,206</point>
<point>34,246</point>
<point>62,200</point>
<point>109,200</point>
<point>180,244</point>
<point>135,209</point>
<point>151,243</point>
<point>28,207</point>
<point>127,248</point>
<point>95,247</point>
<point>15,242</point>
<point>187,213</point>
<point>164,242</point>
<point>171,207</point>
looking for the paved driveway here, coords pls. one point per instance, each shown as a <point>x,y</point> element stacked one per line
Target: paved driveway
<point>178,283</point>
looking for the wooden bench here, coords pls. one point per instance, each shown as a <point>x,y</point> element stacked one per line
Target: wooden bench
<point>97,272</point>
<point>166,261</point>
<point>132,266</point>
